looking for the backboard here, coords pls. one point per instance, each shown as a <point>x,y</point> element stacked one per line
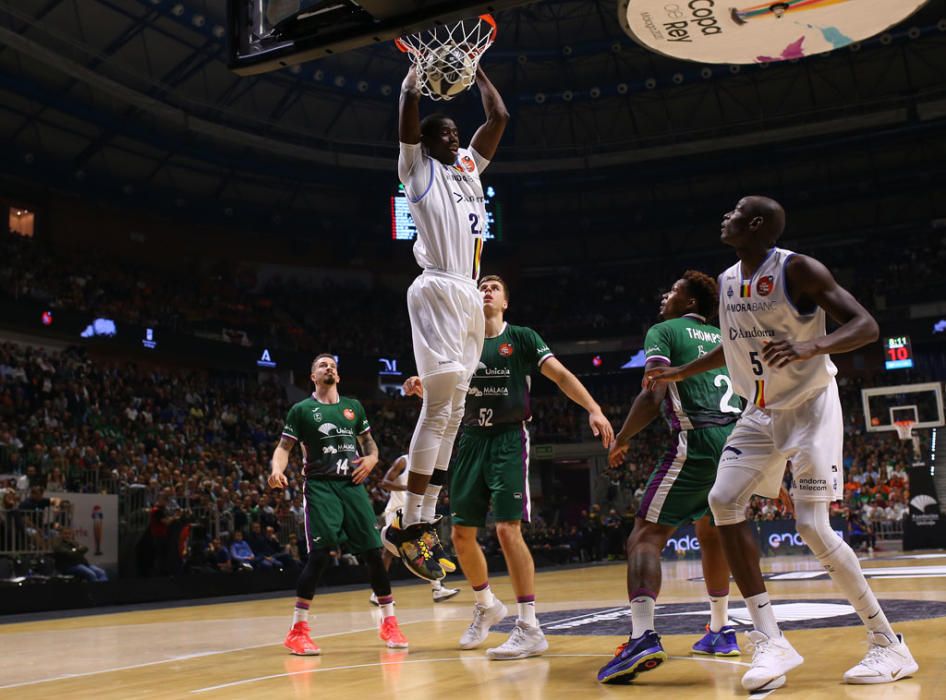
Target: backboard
<point>267,35</point>
<point>921,403</point>
<point>750,31</point>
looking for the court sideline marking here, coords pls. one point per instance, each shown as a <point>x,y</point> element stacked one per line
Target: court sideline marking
<point>184,657</point>
<point>257,679</point>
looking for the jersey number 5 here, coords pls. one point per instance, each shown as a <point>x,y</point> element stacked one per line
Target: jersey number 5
<point>724,405</point>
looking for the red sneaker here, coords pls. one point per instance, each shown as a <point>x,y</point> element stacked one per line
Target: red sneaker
<point>300,643</point>
<point>391,634</point>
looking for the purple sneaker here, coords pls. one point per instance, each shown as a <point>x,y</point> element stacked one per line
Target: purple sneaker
<point>722,643</point>
<point>642,654</point>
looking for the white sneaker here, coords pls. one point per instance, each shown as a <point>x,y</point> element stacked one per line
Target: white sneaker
<point>374,600</point>
<point>441,594</point>
<point>886,661</point>
<point>523,642</point>
<point>772,658</point>
<point>483,619</point>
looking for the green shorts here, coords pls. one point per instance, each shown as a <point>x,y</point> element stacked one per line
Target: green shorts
<point>491,469</point>
<point>677,491</point>
<point>339,511</point>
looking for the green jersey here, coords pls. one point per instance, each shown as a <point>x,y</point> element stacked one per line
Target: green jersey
<point>499,391</point>
<point>327,433</point>
<point>703,399</point>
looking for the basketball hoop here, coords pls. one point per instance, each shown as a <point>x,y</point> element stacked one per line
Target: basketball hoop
<point>468,39</point>
<point>904,428</point>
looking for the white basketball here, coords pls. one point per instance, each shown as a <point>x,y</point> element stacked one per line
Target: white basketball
<point>449,71</point>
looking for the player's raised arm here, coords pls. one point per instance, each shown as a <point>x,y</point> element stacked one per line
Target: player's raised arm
<point>645,408</point>
<point>277,477</point>
<point>409,109</point>
<point>572,387</point>
<point>486,139</point>
<point>811,283</point>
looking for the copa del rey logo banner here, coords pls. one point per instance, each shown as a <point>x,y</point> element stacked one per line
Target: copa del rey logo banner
<point>747,31</point>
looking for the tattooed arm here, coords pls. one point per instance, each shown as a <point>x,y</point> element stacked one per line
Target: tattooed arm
<point>277,477</point>
<point>369,457</point>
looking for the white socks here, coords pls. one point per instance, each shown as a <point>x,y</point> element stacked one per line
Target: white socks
<point>429,508</point>
<point>642,615</point>
<point>387,610</point>
<point>527,613</point>
<point>413,502</point>
<point>300,615</point>
<point>763,618</point>
<point>719,612</point>
<point>484,597</point>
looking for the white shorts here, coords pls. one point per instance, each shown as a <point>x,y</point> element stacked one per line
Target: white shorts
<point>810,435</point>
<point>447,324</point>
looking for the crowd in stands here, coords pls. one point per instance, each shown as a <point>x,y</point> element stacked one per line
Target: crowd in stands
<point>191,449</point>
<point>221,299</point>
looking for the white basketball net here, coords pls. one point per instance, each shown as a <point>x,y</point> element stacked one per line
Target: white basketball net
<point>470,37</point>
<point>904,428</point>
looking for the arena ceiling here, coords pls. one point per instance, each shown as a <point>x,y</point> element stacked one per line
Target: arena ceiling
<point>135,96</point>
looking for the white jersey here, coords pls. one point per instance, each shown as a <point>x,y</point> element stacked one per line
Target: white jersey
<point>448,207</point>
<point>397,498</point>
<point>759,310</point>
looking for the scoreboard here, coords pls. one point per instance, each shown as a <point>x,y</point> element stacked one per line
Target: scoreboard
<point>403,227</point>
<point>898,353</point>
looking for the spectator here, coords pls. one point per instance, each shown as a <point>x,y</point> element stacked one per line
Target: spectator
<point>240,553</point>
<point>70,559</point>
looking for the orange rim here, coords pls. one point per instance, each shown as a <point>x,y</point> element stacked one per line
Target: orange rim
<point>488,18</point>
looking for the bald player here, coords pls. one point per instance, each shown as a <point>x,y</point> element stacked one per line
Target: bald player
<point>445,197</point>
<point>772,309</point>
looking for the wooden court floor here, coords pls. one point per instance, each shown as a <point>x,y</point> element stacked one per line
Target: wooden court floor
<point>233,650</point>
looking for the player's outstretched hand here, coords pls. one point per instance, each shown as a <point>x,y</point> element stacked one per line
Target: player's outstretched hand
<point>601,428</point>
<point>656,376</point>
<point>780,352</point>
<point>413,387</point>
<point>277,480</point>
<point>617,454</point>
<point>364,466</point>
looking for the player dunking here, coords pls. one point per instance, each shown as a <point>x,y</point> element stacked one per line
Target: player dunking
<point>491,473</point>
<point>772,308</point>
<point>701,412</point>
<point>445,197</point>
<point>337,508</point>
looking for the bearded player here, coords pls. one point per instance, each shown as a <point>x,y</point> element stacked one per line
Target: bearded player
<point>332,430</point>
<point>772,309</point>
<point>701,413</point>
<point>445,198</point>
